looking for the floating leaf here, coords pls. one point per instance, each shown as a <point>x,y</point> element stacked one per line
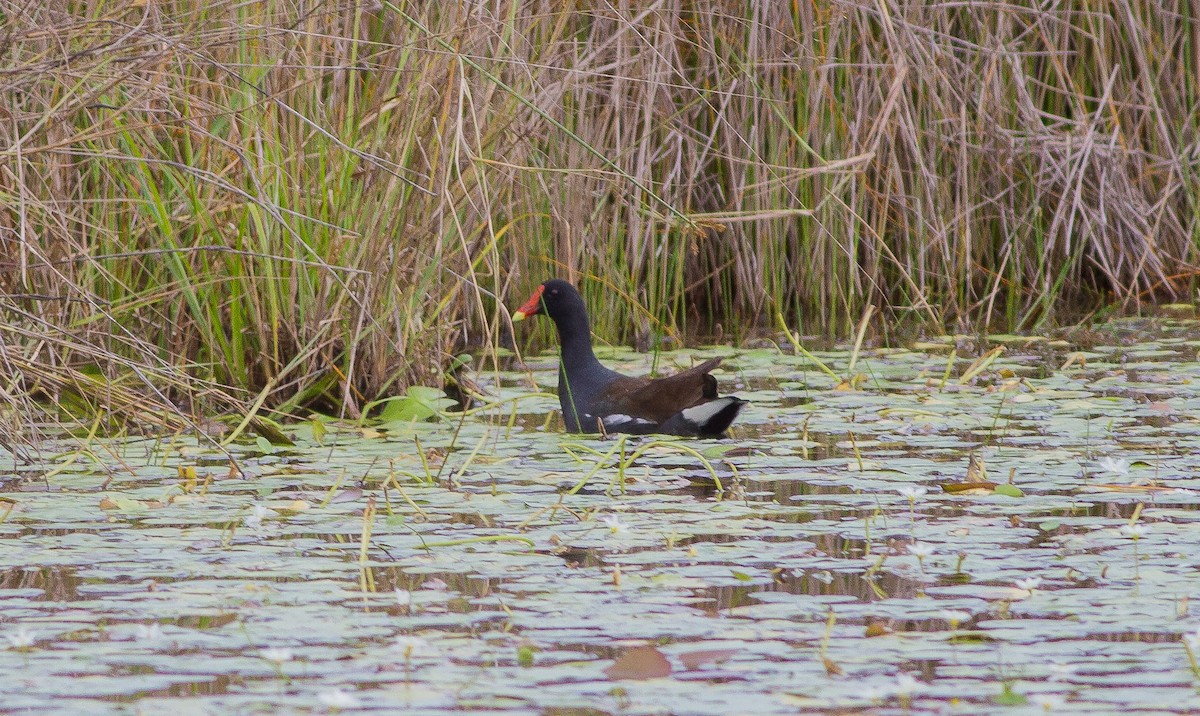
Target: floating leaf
<point>351,495</point>
<point>718,450</point>
<point>1009,697</point>
<point>643,662</point>
<point>1010,338</point>
<point>525,655</point>
<point>971,637</point>
<point>419,403</point>
<point>271,431</point>
<point>697,659</point>
<point>1008,490</point>
<point>961,488</point>
<point>128,505</point>
<point>290,508</point>
<point>931,346</point>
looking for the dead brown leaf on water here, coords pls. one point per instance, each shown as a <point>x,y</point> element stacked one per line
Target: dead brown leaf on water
<point>640,663</point>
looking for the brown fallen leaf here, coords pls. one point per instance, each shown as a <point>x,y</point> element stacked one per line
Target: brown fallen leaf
<point>126,504</point>
<point>972,488</point>
<point>290,508</point>
<point>696,659</point>
<point>643,662</point>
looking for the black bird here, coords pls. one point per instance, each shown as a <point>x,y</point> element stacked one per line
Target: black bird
<point>595,399</point>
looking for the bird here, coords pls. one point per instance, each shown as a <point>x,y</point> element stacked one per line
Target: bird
<point>595,399</point>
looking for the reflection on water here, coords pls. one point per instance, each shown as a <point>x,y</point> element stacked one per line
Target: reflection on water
<point>464,586</point>
<point>58,584</point>
<point>823,583</point>
<point>213,686</point>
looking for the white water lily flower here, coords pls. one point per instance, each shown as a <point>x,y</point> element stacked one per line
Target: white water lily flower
<point>614,524</point>
<point>912,492</point>
<point>410,646</point>
<point>276,654</point>
<point>875,693</point>
<point>1048,702</point>
<point>22,638</point>
<point>1029,584</point>
<point>920,550</point>
<point>256,516</point>
<point>403,597</point>
<point>149,632</point>
<point>954,616</point>
<point>1113,465</point>
<point>1134,531</point>
<point>907,684</point>
<point>338,699</point>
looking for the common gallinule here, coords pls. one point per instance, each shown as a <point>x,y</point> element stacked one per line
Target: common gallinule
<point>595,399</point>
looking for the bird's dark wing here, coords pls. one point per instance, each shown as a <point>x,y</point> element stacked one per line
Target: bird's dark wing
<point>658,399</point>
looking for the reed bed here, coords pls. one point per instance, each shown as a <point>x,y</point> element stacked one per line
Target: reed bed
<point>213,205</point>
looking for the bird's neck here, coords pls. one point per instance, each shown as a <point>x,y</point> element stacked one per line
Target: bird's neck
<point>577,370</point>
<point>575,336</point>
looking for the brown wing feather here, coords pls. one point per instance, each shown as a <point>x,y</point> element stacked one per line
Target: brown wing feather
<point>659,398</point>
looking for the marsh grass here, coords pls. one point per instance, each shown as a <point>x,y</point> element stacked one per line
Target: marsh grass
<point>212,206</point>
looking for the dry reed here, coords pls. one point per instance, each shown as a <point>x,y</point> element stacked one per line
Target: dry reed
<point>204,201</point>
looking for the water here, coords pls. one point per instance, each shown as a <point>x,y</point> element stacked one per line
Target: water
<point>793,585</point>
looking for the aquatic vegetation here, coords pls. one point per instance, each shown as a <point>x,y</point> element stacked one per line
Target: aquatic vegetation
<point>493,562</point>
<point>277,655</point>
<point>252,206</point>
<point>1028,584</point>
<point>21,638</point>
<point>337,699</point>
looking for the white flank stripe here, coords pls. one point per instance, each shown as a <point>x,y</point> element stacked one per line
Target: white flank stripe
<point>611,421</point>
<point>701,414</point>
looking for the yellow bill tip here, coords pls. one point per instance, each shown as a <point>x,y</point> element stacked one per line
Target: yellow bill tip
<point>518,316</point>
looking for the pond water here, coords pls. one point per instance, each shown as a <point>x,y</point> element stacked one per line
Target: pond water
<point>828,557</point>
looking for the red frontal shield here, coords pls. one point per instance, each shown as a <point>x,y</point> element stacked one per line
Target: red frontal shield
<point>531,307</point>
